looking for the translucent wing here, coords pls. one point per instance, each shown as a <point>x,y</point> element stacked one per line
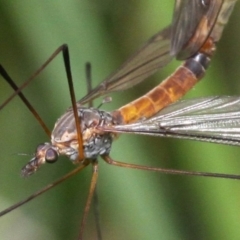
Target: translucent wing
<point>146,61</point>
<point>193,21</point>
<point>212,119</point>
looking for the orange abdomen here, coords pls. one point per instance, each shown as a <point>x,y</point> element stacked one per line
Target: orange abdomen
<point>170,90</point>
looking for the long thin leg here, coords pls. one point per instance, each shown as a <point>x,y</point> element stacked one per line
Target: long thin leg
<point>50,186</point>
<point>109,160</point>
<point>65,52</point>
<point>96,213</point>
<point>88,69</point>
<point>66,59</point>
<point>95,195</point>
<point>89,198</point>
<point>28,81</point>
<point>9,80</point>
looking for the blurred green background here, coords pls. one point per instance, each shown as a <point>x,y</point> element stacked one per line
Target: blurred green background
<point>133,204</point>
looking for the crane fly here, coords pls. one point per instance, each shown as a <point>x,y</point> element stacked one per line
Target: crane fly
<point>83,134</point>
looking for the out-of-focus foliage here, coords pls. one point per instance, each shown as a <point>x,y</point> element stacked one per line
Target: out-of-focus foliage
<point>133,204</point>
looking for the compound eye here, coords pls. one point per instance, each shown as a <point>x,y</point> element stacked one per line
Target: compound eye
<point>51,156</point>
